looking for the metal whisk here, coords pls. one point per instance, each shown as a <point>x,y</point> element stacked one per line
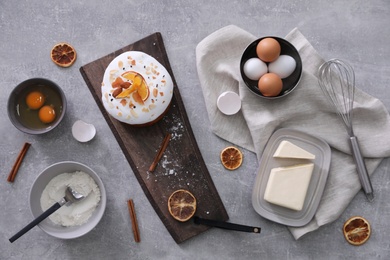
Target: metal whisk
<point>337,81</point>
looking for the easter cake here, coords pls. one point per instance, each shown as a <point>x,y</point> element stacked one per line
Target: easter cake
<point>136,89</point>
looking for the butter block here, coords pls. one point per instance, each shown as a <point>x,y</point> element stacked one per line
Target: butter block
<point>287,149</point>
<point>287,186</point>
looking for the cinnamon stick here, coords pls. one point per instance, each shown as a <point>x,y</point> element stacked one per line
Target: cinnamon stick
<point>18,162</point>
<point>160,152</point>
<point>134,223</point>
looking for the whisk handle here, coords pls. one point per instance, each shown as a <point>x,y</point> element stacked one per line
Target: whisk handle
<point>361,168</point>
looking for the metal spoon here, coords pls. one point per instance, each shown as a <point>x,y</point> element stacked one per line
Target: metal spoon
<point>70,196</point>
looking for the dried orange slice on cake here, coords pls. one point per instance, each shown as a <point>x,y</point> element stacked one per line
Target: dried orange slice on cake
<point>231,158</point>
<point>143,91</point>
<point>138,87</point>
<point>357,230</point>
<point>63,54</point>
<point>182,205</point>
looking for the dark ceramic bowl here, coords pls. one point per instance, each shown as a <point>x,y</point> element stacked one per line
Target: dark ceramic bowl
<point>27,120</point>
<point>289,83</point>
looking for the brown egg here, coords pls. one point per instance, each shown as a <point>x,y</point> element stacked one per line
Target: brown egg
<point>268,49</point>
<point>270,85</point>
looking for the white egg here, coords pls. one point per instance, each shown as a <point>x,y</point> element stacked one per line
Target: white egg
<point>254,68</point>
<point>83,132</point>
<point>284,66</point>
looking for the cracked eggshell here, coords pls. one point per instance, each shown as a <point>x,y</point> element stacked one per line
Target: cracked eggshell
<point>83,132</point>
<point>229,103</point>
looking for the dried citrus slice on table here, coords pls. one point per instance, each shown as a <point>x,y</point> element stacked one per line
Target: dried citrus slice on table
<point>231,158</point>
<point>357,230</point>
<point>182,205</point>
<point>63,54</point>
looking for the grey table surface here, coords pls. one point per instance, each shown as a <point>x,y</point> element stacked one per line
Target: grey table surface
<point>355,30</point>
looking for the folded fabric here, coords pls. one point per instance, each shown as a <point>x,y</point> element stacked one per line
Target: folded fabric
<point>305,109</point>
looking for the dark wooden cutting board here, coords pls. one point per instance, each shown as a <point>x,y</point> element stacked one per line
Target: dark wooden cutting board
<point>182,165</point>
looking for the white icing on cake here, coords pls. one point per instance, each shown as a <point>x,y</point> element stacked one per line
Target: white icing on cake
<point>135,108</point>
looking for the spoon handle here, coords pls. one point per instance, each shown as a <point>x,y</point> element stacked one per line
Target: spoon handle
<point>36,221</point>
<point>226,225</point>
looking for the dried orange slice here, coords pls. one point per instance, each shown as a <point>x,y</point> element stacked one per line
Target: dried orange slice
<point>357,230</point>
<point>126,93</point>
<point>182,205</point>
<point>231,158</point>
<point>143,91</point>
<point>63,54</point>
<point>130,75</point>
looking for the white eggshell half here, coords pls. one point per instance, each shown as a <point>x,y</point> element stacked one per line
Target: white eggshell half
<point>83,132</point>
<point>229,103</point>
<point>254,68</point>
<point>284,66</point>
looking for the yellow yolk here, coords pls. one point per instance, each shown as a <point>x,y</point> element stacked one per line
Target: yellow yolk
<point>47,114</point>
<point>35,100</point>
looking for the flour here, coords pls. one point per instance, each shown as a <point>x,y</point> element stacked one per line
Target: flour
<point>79,212</point>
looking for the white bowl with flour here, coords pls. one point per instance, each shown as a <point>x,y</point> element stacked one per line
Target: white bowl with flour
<point>77,219</point>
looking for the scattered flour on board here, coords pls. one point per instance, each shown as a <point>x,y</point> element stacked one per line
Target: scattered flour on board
<point>171,167</point>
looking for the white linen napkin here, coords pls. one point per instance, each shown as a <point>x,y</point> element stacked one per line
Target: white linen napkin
<point>305,109</point>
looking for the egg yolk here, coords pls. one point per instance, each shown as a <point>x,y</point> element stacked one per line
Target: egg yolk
<point>35,100</point>
<point>47,114</point>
